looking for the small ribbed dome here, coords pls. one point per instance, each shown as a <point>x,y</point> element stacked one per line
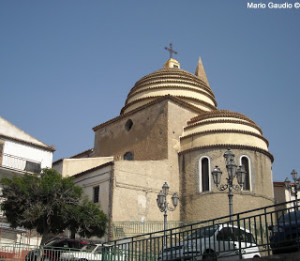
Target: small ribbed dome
<point>174,82</point>
<point>222,127</point>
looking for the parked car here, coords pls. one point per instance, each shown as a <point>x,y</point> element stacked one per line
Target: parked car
<point>53,248</point>
<point>171,253</point>
<point>285,236</point>
<point>94,252</point>
<point>220,242</point>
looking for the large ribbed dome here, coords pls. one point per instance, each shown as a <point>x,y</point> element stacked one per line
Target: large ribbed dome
<point>222,127</point>
<point>174,82</point>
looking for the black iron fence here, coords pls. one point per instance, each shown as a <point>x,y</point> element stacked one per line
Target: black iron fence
<point>255,233</point>
<point>123,229</point>
<point>92,252</point>
<point>249,234</point>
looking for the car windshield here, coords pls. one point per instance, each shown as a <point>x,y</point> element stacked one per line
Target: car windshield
<point>243,235</point>
<point>203,232</point>
<point>235,234</point>
<point>51,242</point>
<point>88,248</point>
<point>290,217</point>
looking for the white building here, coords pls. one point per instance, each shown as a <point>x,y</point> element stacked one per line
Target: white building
<point>20,153</point>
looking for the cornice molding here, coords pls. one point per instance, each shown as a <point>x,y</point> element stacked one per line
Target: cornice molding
<point>231,146</point>
<point>220,113</point>
<point>175,96</point>
<point>171,73</point>
<point>208,132</point>
<point>172,79</point>
<point>173,87</point>
<point>224,121</point>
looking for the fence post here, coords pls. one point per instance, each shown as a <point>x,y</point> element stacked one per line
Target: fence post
<point>132,249</point>
<point>171,243</point>
<point>266,229</point>
<point>239,236</point>
<point>213,227</point>
<point>151,247</point>
<point>297,226</point>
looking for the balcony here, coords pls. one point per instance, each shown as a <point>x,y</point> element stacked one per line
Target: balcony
<point>8,161</point>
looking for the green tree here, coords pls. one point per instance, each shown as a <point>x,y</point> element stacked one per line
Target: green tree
<point>86,219</point>
<point>50,204</point>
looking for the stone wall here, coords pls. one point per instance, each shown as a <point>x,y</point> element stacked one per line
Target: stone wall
<point>146,138</point>
<point>138,182</point>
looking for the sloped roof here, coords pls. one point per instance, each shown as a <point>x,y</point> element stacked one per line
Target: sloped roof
<point>12,132</point>
<point>158,100</point>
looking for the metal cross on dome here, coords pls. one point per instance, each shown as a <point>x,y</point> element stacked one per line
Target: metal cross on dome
<point>170,49</point>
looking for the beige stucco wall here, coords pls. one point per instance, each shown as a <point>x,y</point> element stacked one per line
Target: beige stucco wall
<point>280,194</point>
<point>177,120</point>
<point>215,205</point>
<point>198,206</point>
<point>70,167</point>
<point>136,185</point>
<point>99,177</point>
<point>284,195</point>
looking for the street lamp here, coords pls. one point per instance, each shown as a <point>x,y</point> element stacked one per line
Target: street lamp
<point>232,171</point>
<point>296,184</point>
<point>163,205</point>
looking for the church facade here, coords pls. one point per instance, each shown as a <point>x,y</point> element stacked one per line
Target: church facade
<point>170,130</point>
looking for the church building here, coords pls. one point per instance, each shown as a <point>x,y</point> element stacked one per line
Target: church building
<point>171,130</point>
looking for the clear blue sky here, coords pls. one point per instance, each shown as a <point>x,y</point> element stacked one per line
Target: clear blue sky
<point>67,66</point>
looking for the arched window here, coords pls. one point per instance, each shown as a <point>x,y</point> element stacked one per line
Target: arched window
<point>204,176</point>
<point>245,162</point>
<point>128,156</point>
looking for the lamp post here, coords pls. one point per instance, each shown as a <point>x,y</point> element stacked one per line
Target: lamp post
<point>296,184</point>
<point>163,205</point>
<point>232,171</point>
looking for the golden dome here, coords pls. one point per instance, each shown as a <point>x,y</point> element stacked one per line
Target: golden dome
<point>171,81</point>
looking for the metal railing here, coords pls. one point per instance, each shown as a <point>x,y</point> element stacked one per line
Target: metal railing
<point>250,236</point>
<point>15,252</point>
<point>123,229</point>
<point>18,163</point>
<point>22,252</point>
<point>246,234</point>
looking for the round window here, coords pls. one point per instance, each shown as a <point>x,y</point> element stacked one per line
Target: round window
<point>128,125</point>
